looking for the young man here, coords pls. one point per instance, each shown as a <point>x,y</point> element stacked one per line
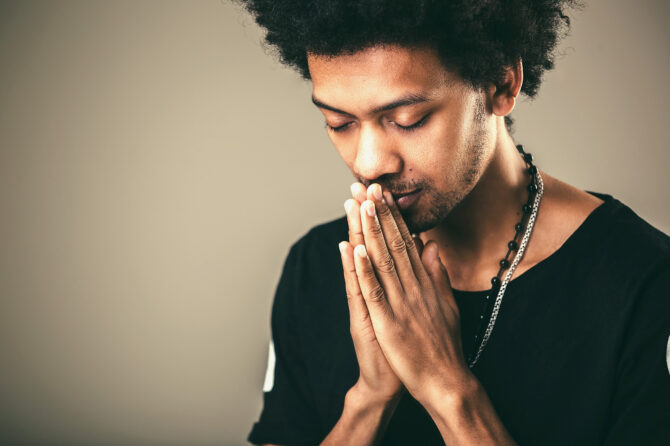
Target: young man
<point>522,311</point>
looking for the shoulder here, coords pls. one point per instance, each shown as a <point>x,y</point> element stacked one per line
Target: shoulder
<point>603,254</point>
<point>316,298</point>
<point>598,227</point>
<point>314,258</point>
<point>324,235</point>
<point>627,237</point>
<point>623,254</point>
<point>312,271</point>
<point>316,251</point>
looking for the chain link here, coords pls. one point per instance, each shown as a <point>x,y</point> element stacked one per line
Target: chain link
<point>510,272</point>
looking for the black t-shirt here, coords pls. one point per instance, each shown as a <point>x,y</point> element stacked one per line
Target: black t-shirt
<point>577,355</point>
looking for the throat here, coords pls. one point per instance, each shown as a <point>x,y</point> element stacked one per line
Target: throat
<point>481,237</point>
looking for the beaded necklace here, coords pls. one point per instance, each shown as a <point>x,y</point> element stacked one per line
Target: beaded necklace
<point>530,208</point>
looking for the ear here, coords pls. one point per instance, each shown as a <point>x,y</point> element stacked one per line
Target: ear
<point>504,95</point>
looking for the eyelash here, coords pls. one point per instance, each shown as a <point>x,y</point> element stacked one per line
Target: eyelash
<point>407,128</point>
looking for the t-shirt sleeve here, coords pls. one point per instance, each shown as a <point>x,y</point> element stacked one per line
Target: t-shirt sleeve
<point>289,415</point>
<point>641,403</point>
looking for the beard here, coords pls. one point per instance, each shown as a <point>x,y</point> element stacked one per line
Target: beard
<point>438,204</point>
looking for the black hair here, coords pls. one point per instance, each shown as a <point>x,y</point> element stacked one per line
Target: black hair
<point>478,39</point>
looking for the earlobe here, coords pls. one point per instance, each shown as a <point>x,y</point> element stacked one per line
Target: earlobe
<point>505,94</point>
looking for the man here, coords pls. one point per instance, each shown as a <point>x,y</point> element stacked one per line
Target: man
<point>522,311</point>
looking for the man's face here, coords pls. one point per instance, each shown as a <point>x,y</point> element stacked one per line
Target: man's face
<point>444,154</point>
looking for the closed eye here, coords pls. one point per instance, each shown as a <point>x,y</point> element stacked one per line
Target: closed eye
<point>405,128</point>
<point>416,125</point>
<point>339,128</point>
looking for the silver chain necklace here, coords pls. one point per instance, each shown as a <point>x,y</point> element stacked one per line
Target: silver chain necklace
<point>517,258</point>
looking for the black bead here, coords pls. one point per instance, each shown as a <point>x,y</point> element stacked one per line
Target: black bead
<point>518,227</point>
<point>526,209</point>
<point>504,263</point>
<point>532,170</point>
<point>532,188</point>
<point>495,282</point>
<point>512,245</point>
<point>528,157</point>
<point>519,147</point>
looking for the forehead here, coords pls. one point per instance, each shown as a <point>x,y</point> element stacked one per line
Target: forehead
<point>372,75</point>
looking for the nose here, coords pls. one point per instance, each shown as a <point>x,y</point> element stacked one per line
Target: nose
<point>376,153</point>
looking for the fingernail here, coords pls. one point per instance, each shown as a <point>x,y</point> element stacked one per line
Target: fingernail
<point>353,188</point>
<point>342,246</point>
<point>370,207</point>
<point>347,205</point>
<point>377,191</point>
<point>388,197</point>
<point>360,251</point>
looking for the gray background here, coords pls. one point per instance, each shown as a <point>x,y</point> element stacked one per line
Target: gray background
<point>156,165</point>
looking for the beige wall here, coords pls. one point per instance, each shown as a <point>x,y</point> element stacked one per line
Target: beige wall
<point>155,166</point>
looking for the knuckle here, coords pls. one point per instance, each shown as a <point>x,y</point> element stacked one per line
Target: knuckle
<point>357,320</point>
<point>402,228</point>
<point>369,275</point>
<point>397,244</point>
<point>352,295</point>
<point>377,294</point>
<point>409,243</point>
<point>386,264</point>
<point>385,212</point>
<point>376,229</point>
<point>413,292</point>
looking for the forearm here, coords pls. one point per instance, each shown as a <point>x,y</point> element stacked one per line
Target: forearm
<point>363,421</point>
<point>468,417</point>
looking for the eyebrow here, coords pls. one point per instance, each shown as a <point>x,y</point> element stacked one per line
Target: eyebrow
<point>409,99</point>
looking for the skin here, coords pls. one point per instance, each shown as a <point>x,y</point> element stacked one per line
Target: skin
<point>404,321</point>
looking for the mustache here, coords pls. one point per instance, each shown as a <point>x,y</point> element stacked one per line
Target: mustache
<point>395,189</point>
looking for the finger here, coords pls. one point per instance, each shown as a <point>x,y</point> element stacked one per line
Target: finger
<point>393,240</point>
<point>382,260</point>
<point>358,311</point>
<point>352,209</point>
<point>418,242</point>
<point>438,275</point>
<point>374,295</point>
<point>358,192</point>
<point>412,251</point>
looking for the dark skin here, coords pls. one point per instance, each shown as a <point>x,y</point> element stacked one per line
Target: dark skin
<point>404,322</point>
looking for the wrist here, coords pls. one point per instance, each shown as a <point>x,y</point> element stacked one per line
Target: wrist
<point>464,415</point>
<point>360,396</point>
<point>453,398</point>
<point>363,419</point>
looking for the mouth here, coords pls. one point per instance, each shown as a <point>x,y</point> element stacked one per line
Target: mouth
<point>398,195</point>
<point>405,200</point>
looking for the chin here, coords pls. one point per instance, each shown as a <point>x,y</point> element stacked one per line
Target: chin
<point>426,218</point>
<point>419,222</point>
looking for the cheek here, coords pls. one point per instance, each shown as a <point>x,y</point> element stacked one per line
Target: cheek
<point>346,151</point>
<point>437,147</point>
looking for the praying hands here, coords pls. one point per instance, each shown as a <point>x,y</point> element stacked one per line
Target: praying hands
<point>404,322</point>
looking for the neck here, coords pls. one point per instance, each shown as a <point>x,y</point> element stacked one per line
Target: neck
<point>473,238</point>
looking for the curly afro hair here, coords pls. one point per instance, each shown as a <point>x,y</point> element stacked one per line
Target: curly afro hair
<point>476,38</point>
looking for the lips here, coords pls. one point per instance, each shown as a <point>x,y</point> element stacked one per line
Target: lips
<point>406,200</point>
<point>398,195</point>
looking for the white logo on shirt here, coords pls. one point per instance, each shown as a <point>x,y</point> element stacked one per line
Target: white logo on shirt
<point>270,372</point>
